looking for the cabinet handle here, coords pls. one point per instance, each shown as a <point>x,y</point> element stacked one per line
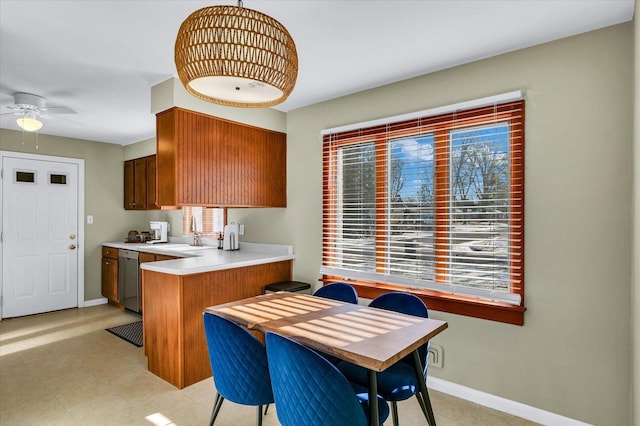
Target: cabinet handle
<point>107,263</point>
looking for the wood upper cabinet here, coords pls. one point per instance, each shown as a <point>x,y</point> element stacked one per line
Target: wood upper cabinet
<point>140,184</point>
<point>129,185</point>
<point>151,183</point>
<point>207,161</point>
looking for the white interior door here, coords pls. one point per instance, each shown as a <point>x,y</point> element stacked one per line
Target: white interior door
<point>39,236</point>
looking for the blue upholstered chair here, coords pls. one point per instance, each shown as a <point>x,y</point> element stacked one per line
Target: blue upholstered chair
<point>338,291</point>
<point>310,391</point>
<point>239,365</point>
<point>400,381</point>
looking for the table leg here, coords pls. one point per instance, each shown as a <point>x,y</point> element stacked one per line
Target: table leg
<point>374,418</point>
<point>427,409</point>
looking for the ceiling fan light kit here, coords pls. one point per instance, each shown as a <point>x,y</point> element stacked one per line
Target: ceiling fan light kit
<point>29,122</point>
<point>234,56</point>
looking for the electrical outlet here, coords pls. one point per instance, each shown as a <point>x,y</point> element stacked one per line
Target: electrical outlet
<point>436,356</point>
<point>241,229</point>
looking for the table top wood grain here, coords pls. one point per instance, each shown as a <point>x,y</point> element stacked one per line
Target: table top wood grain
<point>370,337</point>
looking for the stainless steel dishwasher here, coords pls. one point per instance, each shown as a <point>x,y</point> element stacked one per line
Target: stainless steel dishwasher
<point>128,282</point>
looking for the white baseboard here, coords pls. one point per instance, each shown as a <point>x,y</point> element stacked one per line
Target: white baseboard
<point>94,302</point>
<point>501,404</point>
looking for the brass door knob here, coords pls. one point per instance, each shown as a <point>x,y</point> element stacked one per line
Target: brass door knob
<point>72,247</point>
<point>72,236</point>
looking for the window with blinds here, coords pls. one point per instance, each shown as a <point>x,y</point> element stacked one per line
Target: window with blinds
<point>434,202</point>
<point>208,221</point>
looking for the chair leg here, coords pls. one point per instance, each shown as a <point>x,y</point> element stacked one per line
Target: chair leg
<point>394,413</point>
<point>266,409</point>
<point>259,418</point>
<point>216,408</point>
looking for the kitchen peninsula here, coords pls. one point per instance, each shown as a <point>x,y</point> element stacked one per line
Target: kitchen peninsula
<point>176,292</point>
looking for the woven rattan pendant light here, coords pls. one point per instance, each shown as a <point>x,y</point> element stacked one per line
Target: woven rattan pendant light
<point>234,56</point>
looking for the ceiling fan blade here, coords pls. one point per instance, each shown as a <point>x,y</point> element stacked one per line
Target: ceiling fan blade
<point>58,110</point>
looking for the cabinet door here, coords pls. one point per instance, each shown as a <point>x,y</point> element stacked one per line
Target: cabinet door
<point>203,160</point>
<point>129,190</point>
<point>151,183</point>
<point>140,183</point>
<point>110,279</point>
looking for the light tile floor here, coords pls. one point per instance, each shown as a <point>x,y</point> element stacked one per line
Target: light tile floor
<point>62,368</point>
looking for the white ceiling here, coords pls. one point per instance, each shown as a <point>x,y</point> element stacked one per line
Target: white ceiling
<point>101,58</point>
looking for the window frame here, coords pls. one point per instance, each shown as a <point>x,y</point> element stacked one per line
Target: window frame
<point>440,126</point>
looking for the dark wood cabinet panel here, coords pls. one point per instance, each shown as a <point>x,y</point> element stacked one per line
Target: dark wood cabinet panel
<point>204,160</point>
<point>129,189</point>
<point>140,184</point>
<point>151,183</point>
<point>110,274</point>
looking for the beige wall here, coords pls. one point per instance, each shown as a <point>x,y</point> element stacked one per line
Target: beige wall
<point>139,149</point>
<point>572,356</point>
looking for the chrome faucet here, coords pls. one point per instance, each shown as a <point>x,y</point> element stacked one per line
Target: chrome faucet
<point>196,235</point>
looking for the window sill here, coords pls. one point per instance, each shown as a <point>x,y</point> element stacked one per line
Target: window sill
<point>484,309</point>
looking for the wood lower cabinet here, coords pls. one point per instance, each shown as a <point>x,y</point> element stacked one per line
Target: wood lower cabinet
<point>149,257</point>
<point>140,184</point>
<point>110,274</point>
<point>175,343</point>
<point>207,161</point>
<point>142,258</point>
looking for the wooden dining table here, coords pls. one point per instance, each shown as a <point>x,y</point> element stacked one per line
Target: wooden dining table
<point>369,337</point>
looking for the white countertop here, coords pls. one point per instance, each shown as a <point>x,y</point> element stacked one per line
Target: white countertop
<point>196,260</point>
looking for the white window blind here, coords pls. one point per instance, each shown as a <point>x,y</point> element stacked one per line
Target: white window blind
<point>209,221</point>
<point>432,202</point>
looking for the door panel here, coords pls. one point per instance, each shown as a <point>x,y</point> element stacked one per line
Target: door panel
<point>39,217</point>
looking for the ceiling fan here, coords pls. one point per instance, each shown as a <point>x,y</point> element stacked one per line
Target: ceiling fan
<point>30,108</point>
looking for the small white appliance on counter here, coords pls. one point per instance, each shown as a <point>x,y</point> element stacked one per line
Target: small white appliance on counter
<point>230,241</point>
<point>158,232</point>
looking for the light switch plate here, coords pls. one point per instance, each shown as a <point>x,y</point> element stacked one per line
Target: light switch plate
<point>90,219</point>
<point>241,229</point>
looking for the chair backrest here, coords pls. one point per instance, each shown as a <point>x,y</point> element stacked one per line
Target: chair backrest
<point>238,362</point>
<point>338,291</point>
<point>309,390</point>
<point>409,304</point>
